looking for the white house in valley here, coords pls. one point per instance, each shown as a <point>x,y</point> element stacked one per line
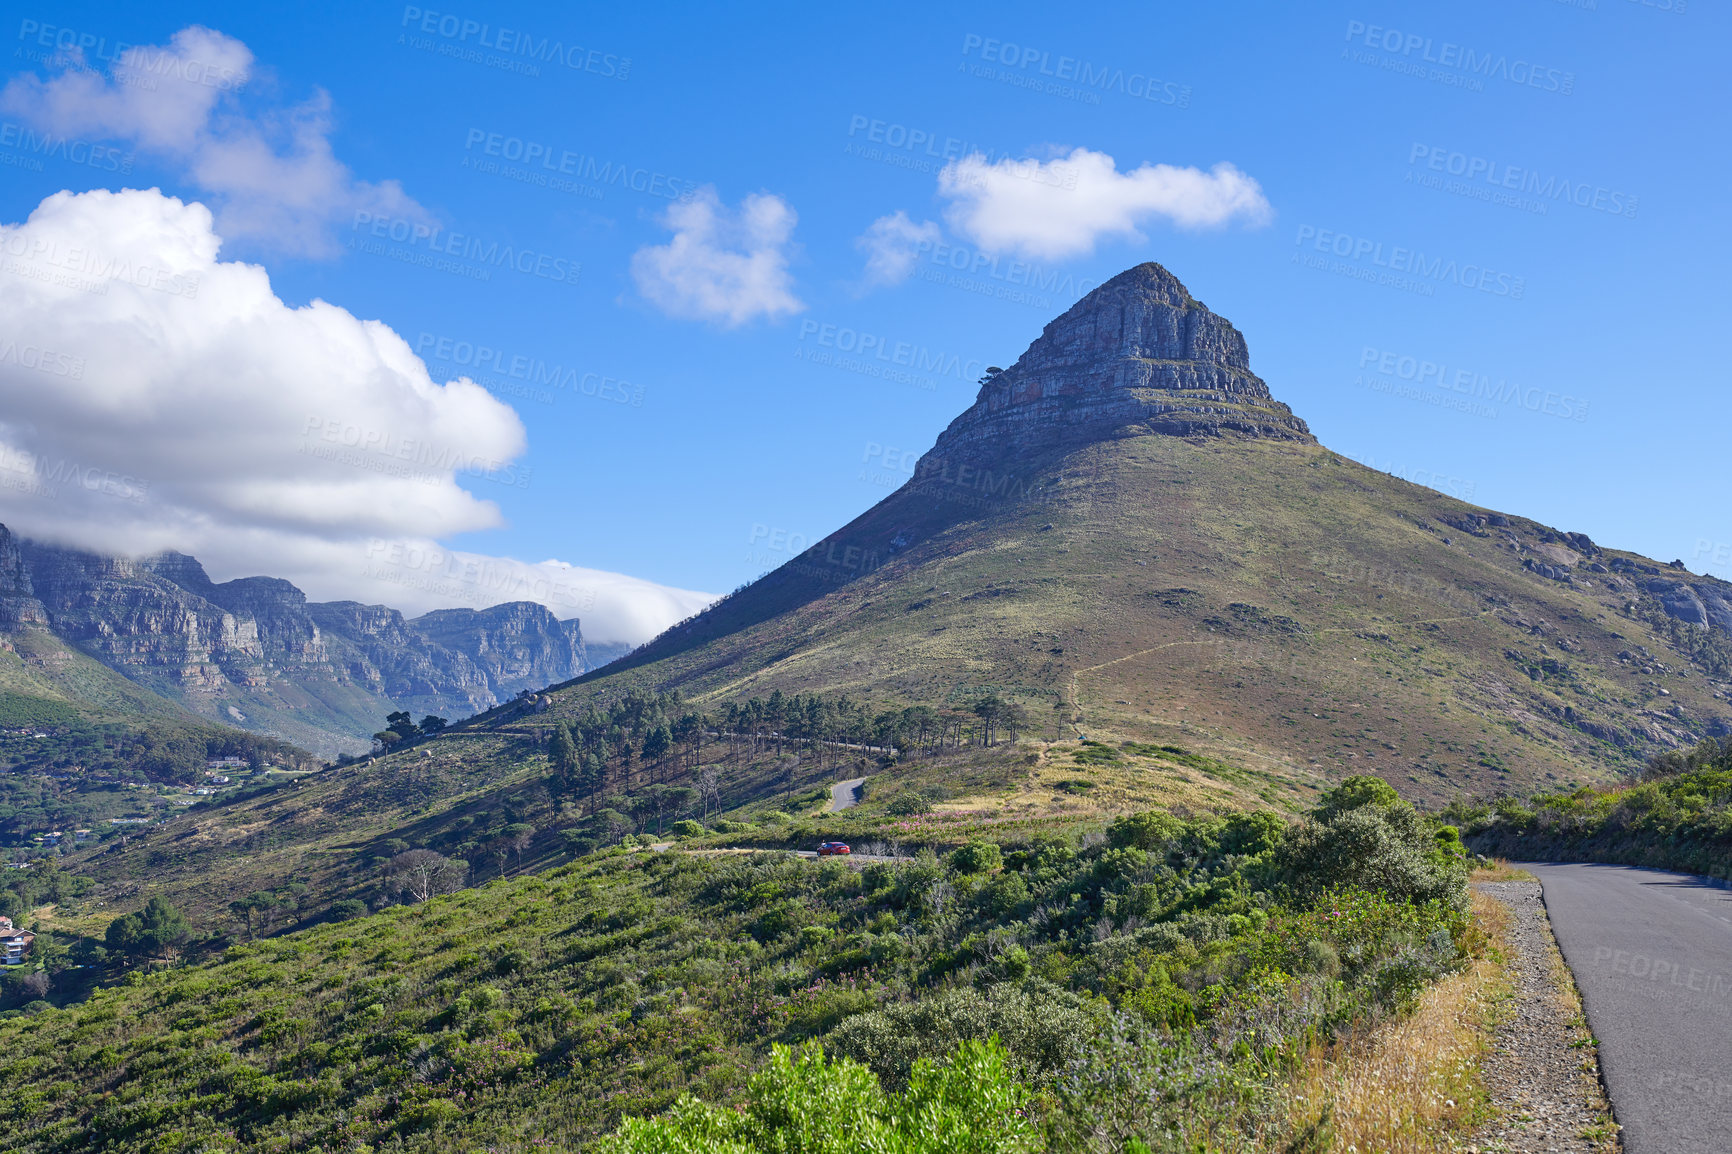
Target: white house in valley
<point>14,943</point>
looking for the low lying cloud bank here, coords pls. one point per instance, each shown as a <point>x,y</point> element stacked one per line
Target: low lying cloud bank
<point>155,397</point>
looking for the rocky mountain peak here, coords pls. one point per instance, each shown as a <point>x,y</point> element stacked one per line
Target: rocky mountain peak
<point>1138,355</point>
<point>181,569</point>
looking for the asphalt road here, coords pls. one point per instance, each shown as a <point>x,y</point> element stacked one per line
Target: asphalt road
<point>1652,955</point>
<point>845,794</point>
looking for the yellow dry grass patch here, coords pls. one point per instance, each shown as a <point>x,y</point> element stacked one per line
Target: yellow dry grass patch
<point>1413,1085</point>
<point>49,917</point>
<point>1501,871</point>
<point>1137,782</point>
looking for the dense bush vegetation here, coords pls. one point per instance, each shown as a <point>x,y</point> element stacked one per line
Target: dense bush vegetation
<point>1152,981</point>
<point>1678,815</point>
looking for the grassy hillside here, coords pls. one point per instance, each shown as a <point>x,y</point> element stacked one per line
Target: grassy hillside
<point>1267,602</point>
<point>1158,979</point>
<point>45,681</point>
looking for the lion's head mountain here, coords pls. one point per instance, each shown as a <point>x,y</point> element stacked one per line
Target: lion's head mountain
<point>1128,533</point>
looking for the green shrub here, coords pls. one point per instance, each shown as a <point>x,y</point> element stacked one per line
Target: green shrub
<point>687,828</point>
<point>908,803</point>
<point>1389,849</point>
<point>802,1103</point>
<point>348,909</point>
<point>1355,793</point>
<point>977,857</point>
<point>1150,831</point>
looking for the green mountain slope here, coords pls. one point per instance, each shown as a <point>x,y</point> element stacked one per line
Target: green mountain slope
<point>45,681</point>
<point>1175,559</point>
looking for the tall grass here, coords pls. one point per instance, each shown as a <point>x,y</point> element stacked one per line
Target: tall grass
<point>1412,1086</point>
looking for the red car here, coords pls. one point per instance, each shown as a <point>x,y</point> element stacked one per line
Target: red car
<point>825,849</point>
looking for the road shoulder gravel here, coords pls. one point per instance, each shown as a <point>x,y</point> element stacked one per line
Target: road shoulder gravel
<point>1543,1071</point>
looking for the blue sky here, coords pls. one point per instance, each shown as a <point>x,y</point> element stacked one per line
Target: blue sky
<point>1484,248</point>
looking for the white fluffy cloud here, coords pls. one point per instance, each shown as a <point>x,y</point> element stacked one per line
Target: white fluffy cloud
<point>273,176</point>
<point>892,246</point>
<point>1062,207</point>
<point>154,397</point>
<point>722,265</point>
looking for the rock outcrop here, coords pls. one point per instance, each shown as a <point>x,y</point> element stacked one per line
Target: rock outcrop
<point>1138,355</point>
<point>1705,603</point>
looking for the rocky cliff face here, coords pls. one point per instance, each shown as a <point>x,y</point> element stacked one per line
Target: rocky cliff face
<point>18,605</point>
<point>509,642</point>
<point>1137,355</point>
<point>255,652</point>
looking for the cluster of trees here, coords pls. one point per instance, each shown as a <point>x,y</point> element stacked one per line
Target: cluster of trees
<point>261,909</point>
<point>45,883</point>
<point>638,763</point>
<point>654,739</point>
<point>401,729</point>
<point>639,736</point>
<point>822,724</point>
<point>151,932</point>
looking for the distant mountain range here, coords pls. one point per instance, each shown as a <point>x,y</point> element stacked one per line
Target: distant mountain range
<point>256,654</point>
